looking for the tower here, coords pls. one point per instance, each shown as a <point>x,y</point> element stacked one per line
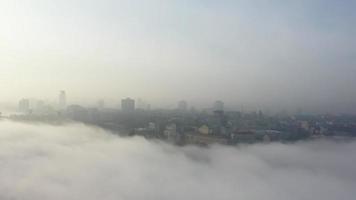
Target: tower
<point>62,99</point>
<point>24,105</point>
<point>218,106</point>
<point>127,105</point>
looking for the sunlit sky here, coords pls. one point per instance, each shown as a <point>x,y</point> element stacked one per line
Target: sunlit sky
<point>259,54</point>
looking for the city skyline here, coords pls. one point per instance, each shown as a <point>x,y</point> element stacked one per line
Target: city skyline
<point>177,99</point>
<point>183,105</point>
<point>257,54</point>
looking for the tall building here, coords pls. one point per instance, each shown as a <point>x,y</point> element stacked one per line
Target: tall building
<point>62,99</point>
<point>182,105</point>
<point>127,105</point>
<point>24,105</point>
<point>218,106</point>
<point>101,104</point>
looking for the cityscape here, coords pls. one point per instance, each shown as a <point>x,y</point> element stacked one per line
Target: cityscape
<point>184,125</point>
<point>177,100</point>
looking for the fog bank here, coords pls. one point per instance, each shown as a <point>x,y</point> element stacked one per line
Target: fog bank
<point>80,162</point>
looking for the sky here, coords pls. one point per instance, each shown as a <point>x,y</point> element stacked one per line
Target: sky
<point>271,54</point>
<point>74,161</point>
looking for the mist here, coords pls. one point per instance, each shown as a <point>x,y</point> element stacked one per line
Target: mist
<point>75,161</point>
<point>263,54</point>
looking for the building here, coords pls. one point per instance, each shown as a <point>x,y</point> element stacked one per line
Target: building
<point>101,104</point>
<point>204,129</point>
<point>182,105</point>
<point>24,105</point>
<point>142,104</point>
<point>171,133</point>
<point>218,106</point>
<point>62,100</point>
<point>77,113</point>
<point>204,139</point>
<point>128,105</point>
<point>244,136</point>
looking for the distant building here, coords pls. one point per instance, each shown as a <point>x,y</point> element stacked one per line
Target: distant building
<point>218,106</point>
<point>182,105</point>
<point>218,122</point>
<point>24,105</point>
<point>305,125</point>
<point>152,126</point>
<point>203,139</point>
<point>171,133</point>
<point>77,112</point>
<point>266,138</point>
<point>62,99</point>
<point>93,114</point>
<point>244,136</point>
<point>101,104</point>
<point>142,104</point>
<point>127,105</point>
<point>150,131</point>
<point>204,129</point>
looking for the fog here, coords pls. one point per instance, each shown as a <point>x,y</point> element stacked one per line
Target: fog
<point>260,54</point>
<point>75,161</point>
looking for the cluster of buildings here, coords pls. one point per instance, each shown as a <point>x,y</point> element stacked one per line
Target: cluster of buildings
<point>204,128</point>
<point>190,126</point>
<point>35,106</point>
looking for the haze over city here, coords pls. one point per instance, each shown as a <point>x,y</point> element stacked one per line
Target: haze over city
<point>177,99</point>
<point>261,55</point>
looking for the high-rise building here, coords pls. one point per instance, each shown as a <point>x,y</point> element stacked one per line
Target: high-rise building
<point>24,105</point>
<point>218,106</point>
<point>127,105</point>
<point>182,105</point>
<point>62,99</point>
<point>101,104</point>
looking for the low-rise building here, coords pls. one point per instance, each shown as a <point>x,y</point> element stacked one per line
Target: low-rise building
<point>204,139</point>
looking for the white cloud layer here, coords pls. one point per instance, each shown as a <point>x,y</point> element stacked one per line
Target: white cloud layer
<point>80,162</point>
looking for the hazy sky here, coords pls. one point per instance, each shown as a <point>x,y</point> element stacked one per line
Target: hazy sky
<point>77,162</point>
<point>261,53</point>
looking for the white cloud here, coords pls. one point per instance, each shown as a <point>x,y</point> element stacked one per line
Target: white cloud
<point>79,162</point>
